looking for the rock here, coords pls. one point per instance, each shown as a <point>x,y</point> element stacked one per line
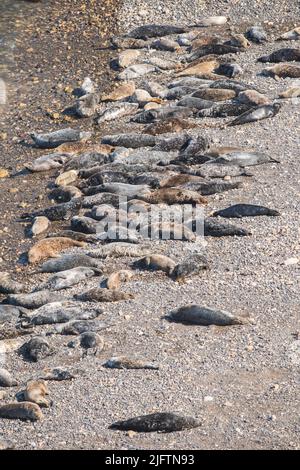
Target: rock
<point>40,225</point>
<point>6,379</point>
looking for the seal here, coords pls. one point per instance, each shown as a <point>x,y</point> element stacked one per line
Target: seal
<point>58,374</point>
<point>50,248</point>
<point>174,196</point>
<point>157,422</point>
<point>35,392</point>
<point>283,71</point>
<point>155,30</point>
<point>115,279</point>
<point>65,279</point>
<point>213,49</point>
<point>62,312</point>
<point>127,57</point>
<point>24,411</point>
<point>117,110</point>
<point>198,315</point>
<point>236,156</point>
<point>39,225</point>
<point>292,35</point>
<point>195,103</point>
<point>252,97</point>
<point>70,261</point>
<point>230,70</point>
<point>136,71</point>
<point>56,138</point>
<point>212,187</point>
<point>257,34</point>
<point>37,348</point>
<point>34,299</point>
<point>156,262</point>
<point>224,110</point>
<point>291,92</point>
<point>261,112</point>
<point>6,379</point>
<point>191,266</point>
<point>214,94</point>
<point>103,295</point>
<point>8,285</point>
<point>65,193</point>
<point>122,92</point>
<point>166,112</point>
<point>57,212</point>
<point>120,249</point>
<point>77,327</point>
<point>165,44</point>
<point>126,362</point>
<point>170,125</point>
<point>245,210</point>
<point>83,224</point>
<point>129,140</point>
<point>47,162</point>
<point>216,229</point>
<point>199,70</point>
<point>282,55</point>
<point>87,105</point>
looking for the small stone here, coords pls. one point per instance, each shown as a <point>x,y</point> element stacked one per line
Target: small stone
<point>3,173</point>
<point>291,261</point>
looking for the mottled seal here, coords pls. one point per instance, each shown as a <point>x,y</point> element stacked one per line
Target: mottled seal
<point>157,422</point>
<point>50,248</point>
<point>126,362</point>
<point>283,71</point>
<point>104,295</point>
<point>261,112</point>
<point>198,315</point>
<point>56,138</point>
<point>282,55</point>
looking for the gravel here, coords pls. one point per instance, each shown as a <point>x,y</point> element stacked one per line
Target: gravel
<point>242,381</point>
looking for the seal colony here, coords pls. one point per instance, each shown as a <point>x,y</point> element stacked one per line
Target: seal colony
<point>159,166</point>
